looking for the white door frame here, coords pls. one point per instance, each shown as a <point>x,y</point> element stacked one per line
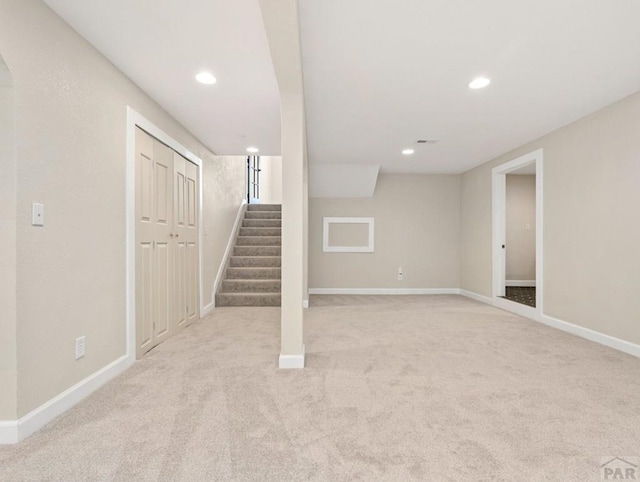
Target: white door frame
<point>135,119</point>
<point>499,210</point>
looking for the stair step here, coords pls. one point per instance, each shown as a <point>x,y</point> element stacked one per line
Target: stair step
<point>248,299</point>
<point>263,215</point>
<point>255,261</point>
<point>264,207</point>
<point>258,241</point>
<point>253,273</point>
<point>261,223</point>
<point>260,231</point>
<point>257,251</point>
<point>251,286</point>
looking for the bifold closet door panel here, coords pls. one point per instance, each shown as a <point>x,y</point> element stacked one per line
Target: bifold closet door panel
<point>193,251</point>
<point>167,249</point>
<point>164,249</point>
<point>145,264</point>
<point>180,241</point>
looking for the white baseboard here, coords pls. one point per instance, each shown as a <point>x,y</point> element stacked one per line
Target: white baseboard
<point>477,297</point>
<point>592,335</point>
<point>520,282</point>
<point>291,361</point>
<point>8,432</point>
<point>13,431</point>
<point>586,333</point>
<point>227,252</point>
<point>384,291</point>
<point>209,308</point>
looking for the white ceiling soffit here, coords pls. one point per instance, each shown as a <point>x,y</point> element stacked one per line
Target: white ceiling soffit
<point>342,180</point>
<point>381,75</point>
<point>162,45</point>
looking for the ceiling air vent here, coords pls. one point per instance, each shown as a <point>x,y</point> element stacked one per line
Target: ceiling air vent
<point>427,141</point>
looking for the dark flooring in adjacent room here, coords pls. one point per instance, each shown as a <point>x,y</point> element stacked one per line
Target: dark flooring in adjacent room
<point>525,295</point>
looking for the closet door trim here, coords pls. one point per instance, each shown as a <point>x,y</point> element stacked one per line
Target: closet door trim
<point>135,119</point>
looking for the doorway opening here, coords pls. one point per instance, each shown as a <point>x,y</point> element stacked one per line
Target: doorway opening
<point>517,235</point>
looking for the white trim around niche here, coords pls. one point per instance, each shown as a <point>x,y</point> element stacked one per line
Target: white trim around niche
<point>327,221</point>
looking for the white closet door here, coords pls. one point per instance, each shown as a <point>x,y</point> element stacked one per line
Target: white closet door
<point>187,275</point>
<point>180,221</point>
<point>145,264</point>
<point>191,234</point>
<point>154,247</point>
<point>163,283</point>
<point>167,250</point>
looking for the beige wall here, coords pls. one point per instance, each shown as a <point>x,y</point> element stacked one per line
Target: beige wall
<point>417,227</point>
<point>71,153</point>
<point>591,233</point>
<point>7,248</point>
<point>224,188</point>
<point>520,212</point>
<point>271,179</point>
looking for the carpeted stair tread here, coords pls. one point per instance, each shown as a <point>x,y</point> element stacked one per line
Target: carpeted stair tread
<point>258,241</point>
<point>248,299</point>
<point>264,207</point>
<point>261,223</point>
<point>261,231</point>
<point>263,215</point>
<point>254,273</point>
<point>257,251</point>
<point>255,261</point>
<point>251,285</point>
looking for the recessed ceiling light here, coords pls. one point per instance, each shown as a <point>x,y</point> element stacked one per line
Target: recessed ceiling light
<point>206,78</point>
<point>479,83</point>
<point>407,152</point>
<point>252,150</point>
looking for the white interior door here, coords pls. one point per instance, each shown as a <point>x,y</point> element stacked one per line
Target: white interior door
<point>500,234</point>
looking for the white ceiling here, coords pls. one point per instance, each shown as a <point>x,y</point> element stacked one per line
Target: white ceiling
<point>379,75</point>
<point>162,44</point>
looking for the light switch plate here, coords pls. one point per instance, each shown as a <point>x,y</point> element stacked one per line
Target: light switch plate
<point>37,214</point>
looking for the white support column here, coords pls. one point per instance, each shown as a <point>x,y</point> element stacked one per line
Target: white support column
<point>292,349</point>
<point>283,33</point>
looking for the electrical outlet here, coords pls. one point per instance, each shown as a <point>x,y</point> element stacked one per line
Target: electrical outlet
<point>400,275</point>
<point>80,347</point>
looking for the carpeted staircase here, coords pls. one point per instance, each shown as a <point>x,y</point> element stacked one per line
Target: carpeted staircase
<point>253,274</point>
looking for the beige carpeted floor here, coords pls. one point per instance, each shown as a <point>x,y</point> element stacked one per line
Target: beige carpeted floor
<point>396,388</point>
